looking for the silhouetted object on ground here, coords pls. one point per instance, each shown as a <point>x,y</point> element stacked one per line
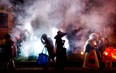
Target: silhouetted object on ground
<point>43,58</point>
<point>9,50</point>
<point>48,43</point>
<point>60,50</point>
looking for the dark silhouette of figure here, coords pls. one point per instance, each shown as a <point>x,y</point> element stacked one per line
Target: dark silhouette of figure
<point>2,54</point>
<point>47,41</point>
<point>9,49</point>
<point>102,44</point>
<point>60,50</point>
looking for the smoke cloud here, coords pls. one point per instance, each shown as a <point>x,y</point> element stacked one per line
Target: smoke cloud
<point>78,18</point>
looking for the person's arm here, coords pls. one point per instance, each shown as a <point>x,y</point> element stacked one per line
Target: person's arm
<point>55,46</point>
<point>42,40</point>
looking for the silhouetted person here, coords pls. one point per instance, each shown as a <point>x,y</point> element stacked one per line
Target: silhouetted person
<point>47,41</point>
<point>102,44</point>
<point>9,50</point>
<point>60,50</point>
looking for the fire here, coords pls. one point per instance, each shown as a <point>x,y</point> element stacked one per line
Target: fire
<point>110,52</point>
<point>113,56</point>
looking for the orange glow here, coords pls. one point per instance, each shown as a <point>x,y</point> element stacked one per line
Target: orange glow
<point>106,53</point>
<point>94,43</point>
<point>82,53</point>
<point>113,56</point>
<point>110,52</point>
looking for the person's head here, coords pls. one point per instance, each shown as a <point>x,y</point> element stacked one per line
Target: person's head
<point>94,36</point>
<point>61,34</point>
<point>93,39</point>
<point>44,36</point>
<point>7,36</point>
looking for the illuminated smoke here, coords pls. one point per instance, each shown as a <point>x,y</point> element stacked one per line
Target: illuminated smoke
<point>6,3</point>
<point>78,18</point>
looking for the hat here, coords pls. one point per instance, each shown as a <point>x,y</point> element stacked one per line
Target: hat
<point>60,34</point>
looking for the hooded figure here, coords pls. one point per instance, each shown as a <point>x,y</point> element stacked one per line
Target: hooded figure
<point>91,59</point>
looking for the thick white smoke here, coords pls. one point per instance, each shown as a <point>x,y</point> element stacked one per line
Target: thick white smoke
<point>78,18</point>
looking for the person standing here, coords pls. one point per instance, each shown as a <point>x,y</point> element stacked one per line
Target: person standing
<point>91,59</point>
<point>60,50</point>
<point>9,50</point>
<point>48,43</point>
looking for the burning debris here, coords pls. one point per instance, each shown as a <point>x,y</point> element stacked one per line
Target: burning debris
<point>110,54</point>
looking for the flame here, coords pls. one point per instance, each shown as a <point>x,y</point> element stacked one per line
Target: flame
<point>113,56</point>
<point>110,52</point>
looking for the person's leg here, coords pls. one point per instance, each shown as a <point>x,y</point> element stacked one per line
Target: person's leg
<point>96,59</point>
<point>85,60</point>
<point>53,63</point>
<point>13,63</point>
<point>53,60</point>
<point>7,64</point>
<point>48,64</point>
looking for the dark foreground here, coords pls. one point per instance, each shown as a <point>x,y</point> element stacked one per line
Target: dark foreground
<point>27,67</point>
<point>65,70</point>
